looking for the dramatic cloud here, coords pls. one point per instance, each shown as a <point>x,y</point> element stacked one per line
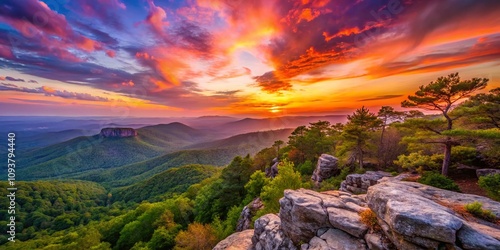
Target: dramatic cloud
<point>48,91</point>
<point>382,97</point>
<point>218,54</point>
<point>270,83</point>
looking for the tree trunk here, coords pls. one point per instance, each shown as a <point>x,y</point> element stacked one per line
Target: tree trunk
<point>360,158</point>
<point>447,158</point>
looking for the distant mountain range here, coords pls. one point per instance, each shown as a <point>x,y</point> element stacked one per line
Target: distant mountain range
<point>116,162</point>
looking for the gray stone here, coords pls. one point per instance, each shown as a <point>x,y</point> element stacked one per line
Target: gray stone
<point>247,214</point>
<point>375,241</point>
<point>359,183</point>
<point>237,241</point>
<point>472,237</point>
<point>268,234</point>
<point>302,214</point>
<point>347,221</point>
<point>410,214</point>
<point>339,240</point>
<point>326,167</point>
<point>487,171</point>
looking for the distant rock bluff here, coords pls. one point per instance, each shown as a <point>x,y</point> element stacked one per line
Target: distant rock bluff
<point>118,132</point>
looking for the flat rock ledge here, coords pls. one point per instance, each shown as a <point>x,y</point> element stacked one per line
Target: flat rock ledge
<point>409,215</point>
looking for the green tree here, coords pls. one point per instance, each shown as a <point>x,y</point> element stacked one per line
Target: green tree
<point>387,115</point>
<point>357,131</point>
<point>441,95</point>
<point>287,178</point>
<point>277,144</point>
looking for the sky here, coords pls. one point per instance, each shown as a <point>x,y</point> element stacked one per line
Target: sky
<point>255,58</point>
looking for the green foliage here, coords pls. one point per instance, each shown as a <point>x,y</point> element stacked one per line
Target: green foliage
<point>54,205</point>
<point>287,178</point>
<point>476,209</point>
<point>308,143</point>
<point>165,184</point>
<point>229,190</point>
<point>418,160</point>
<point>333,183</point>
<point>254,186</point>
<point>306,168</point>
<point>491,183</point>
<point>356,132</point>
<point>440,181</point>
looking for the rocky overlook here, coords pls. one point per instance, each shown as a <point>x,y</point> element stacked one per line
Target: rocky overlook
<point>406,215</point>
<point>118,132</point>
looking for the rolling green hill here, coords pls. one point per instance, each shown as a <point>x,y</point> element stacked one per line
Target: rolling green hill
<point>95,152</point>
<point>163,185</point>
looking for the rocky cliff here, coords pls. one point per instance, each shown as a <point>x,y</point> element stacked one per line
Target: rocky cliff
<point>405,215</point>
<point>118,132</point>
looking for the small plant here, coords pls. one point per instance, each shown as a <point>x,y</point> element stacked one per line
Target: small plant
<point>491,183</point>
<point>369,218</point>
<point>476,208</point>
<point>440,181</point>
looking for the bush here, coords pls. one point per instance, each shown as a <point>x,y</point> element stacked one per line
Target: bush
<point>369,218</point>
<point>417,160</point>
<point>491,183</point>
<point>306,168</point>
<point>476,209</point>
<point>440,181</point>
<point>333,183</point>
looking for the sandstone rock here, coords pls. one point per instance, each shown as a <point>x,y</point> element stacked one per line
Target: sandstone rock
<point>410,214</point>
<point>302,215</point>
<point>347,221</point>
<point>273,170</point>
<point>237,241</point>
<point>486,171</point>
<point>472,238</point>
<point>336,239</point>
<point>359,183</point>
<point>377,241</point>
<point>268,234</point>
<point>248,213</point>
<point>326,167</point>
<point>118,132</point>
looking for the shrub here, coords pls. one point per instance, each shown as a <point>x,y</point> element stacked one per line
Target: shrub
<point>476,208</point>
<point>333,183</point>
<point>491,183</point>
<point>369,218</point>
<point>415,160</point>
<point>440,181</point>
<point>306,168</point>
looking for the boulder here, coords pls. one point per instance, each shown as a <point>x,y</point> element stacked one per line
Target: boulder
<point>486,171</point>
<point>417,216</point>
<point>303,212</point>
<point>359,183</point>
<point>335,239</point>
<point>326,167</point>
<point>273,170</point>
<point>237,241</point>
<point>268,234</point>
<point>248,213</point>
<point>118,132</point>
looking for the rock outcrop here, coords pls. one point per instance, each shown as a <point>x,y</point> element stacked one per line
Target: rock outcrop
<point>406,215</point>
<point>359,183</point>
<point>118,132</point>
<point>269,235</point>
<point>237,241</point>
<point>248,213</point>
<point>326,167</point>
<point>486,171</point>
<point>273,170</point>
